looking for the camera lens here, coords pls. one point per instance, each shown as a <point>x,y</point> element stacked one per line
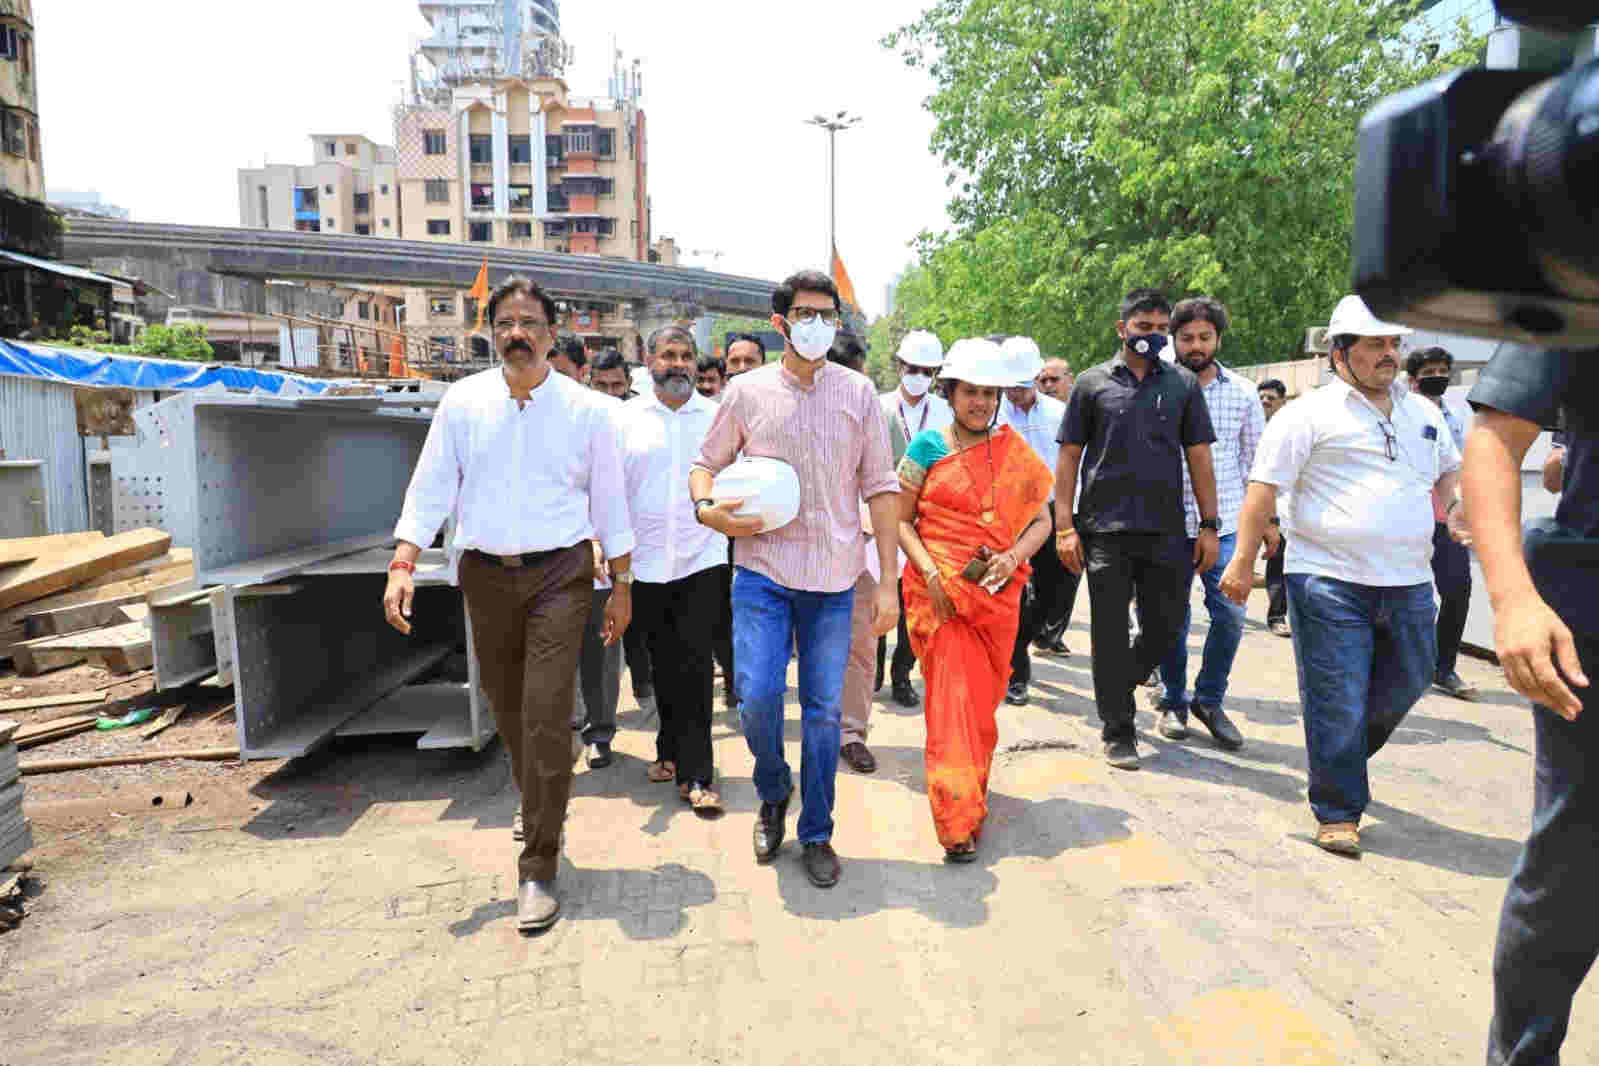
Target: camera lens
<point>1548,147</point>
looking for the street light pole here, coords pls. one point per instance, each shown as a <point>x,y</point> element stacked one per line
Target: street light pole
<point>842,120</point>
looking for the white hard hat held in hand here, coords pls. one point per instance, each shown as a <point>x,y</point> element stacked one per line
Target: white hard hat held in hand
<point>769,488</point>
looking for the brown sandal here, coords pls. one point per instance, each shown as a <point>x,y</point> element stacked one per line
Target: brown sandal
<point>704,801</point>
<point>662,772</point>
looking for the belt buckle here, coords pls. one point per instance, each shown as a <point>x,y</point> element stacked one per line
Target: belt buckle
<point>514,561</point>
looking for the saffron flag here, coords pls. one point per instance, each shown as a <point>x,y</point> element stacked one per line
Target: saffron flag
<point>397,367</point>
<point>480,293</point>
<point>846,288</point>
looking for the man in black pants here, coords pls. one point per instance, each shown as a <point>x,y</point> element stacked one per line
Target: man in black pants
<point>1273,394</point>
<point>1429,370</point>
<point>1132,422</point>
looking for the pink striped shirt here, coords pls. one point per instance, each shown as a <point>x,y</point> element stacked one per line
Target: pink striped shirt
<point>833,434</point>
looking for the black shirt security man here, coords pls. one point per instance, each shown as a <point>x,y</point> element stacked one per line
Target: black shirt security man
<point>1132,423</point>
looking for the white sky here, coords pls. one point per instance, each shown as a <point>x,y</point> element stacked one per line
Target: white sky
<point>158,105</point>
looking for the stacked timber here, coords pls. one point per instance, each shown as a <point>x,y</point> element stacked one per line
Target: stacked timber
<point>77,596</point>
<point>16,835</point>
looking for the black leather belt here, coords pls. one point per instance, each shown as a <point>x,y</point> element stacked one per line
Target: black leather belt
<point>517,562</point>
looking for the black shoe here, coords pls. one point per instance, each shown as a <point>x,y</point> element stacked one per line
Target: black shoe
<point>1122,754</point>
<point>821,864</point>
<point>643,692</point>
<point>769,830</point>
<point>1221,729</point>
<point>877,685</point>
<point>1016,693</point>
<point>1172,726</point>
<point>598,754</point>
<point>729,698</point>
<point>905,695</point>
<point>1056,646</point>
<point>1153,680</point>
<point>858,757</point>
<point>1455,685</point>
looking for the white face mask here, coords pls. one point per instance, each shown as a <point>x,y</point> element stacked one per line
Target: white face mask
<point>812,339</point>
<point>916,384</point>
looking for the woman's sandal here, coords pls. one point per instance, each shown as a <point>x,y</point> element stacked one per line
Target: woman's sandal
<point>704,801</point>
<point>966,852</point>
<point>662,772</point>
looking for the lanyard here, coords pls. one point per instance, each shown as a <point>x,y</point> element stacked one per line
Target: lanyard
<point>905,423</point>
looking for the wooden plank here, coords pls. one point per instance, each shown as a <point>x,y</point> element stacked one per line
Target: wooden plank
<point>67,699</point>
<point>123,649</point>
<point>168,716</point>
<point>166,561</point>
<point>54,766</point>
<point>130,591</point>
<point>93,615</point>
<point>33,663</point>
<point>284,564</point>
<point>44,732</point>
<point>54,573</point>
<point>128,659</point>
<point>27,549</point>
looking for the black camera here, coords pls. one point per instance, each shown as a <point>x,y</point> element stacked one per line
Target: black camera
<point>1477,195</point>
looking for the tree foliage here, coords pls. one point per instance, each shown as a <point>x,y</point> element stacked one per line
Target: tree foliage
<point>1200,146</point>
<point>186,340</point>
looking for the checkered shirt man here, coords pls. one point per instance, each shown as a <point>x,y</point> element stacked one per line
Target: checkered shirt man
<point>1239,421</point>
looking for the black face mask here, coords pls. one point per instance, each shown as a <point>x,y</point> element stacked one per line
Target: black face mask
<point>1434,386</point>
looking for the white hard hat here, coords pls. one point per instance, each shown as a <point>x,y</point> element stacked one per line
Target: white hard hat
<point>1025,359</point>
<point>921,348</point>
<point>641,382</point>
<point>1353,316</point>
<point>978,362</point>
<point>769,488</point>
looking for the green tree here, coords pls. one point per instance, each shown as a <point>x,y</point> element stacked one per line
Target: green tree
<point>186,341</point>
<point>1201,146</point>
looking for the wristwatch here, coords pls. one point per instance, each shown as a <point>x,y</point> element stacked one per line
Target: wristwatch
<point>1211,524</point>
<point>624,578</point>
<point>705,502</point>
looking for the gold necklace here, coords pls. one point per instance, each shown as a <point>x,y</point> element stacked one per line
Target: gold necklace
<point>987,515</point>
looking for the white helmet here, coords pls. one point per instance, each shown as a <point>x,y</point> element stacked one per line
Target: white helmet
<point>1354,317</point>
<point>921,348</point>
<point>978,362</point>
<point>769,488</point>
<point>1025,358</point>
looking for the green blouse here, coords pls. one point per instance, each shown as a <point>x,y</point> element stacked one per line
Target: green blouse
<point>929,447</point>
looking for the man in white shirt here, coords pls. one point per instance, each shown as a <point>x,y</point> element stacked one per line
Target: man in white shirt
<point>1036,417</point>
<point>1197,326</point>
<point>910,410</point>
<point>681,564</point>
<point>1359,459</point>
<point>527,462</point>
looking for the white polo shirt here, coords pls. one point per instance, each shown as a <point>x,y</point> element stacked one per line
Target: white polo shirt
<point>659,445</point>
<point>1347,510</point>
<point>1039,425</point>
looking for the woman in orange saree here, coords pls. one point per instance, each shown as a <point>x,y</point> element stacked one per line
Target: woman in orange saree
<point>968,491</point>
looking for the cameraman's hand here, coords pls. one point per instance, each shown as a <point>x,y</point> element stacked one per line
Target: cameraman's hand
<point>1532,642</point>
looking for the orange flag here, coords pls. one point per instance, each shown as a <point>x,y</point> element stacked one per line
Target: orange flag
<point>846,288</point>
<point>480,293</point>
<point>397,368</point>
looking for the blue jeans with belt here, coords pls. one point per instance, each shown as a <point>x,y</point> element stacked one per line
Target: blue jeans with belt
<point>767,619</point>
<point>1221,642</point>
<point>1365,655</point>
<point>1549,927</point>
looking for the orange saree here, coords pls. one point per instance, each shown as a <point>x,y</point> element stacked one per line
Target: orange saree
<point>966,661</point>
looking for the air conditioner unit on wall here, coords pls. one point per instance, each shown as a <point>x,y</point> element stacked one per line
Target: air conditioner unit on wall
<point>1316,340</point>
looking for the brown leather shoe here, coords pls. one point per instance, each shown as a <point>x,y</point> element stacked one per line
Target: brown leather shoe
<point>1340,838</point>
<point>537,906</point>
<point>859,757</point>
<point>821,864</point>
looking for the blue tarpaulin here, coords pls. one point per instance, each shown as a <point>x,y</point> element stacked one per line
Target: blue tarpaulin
<point>135,372</point>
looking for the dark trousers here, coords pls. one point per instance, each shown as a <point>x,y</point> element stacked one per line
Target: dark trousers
<point>1060,616</point>
<point>674,619</point>
<point>638,661</point>
<point>1276,588</point>
<point>599,675</point>
<point>1156,568</point>
<point>1451,573</point>
<point>1548,928</point>
<point>722,628</point>
<point>1049,582</point>
<point>904,658</point>
<point>527,627</point>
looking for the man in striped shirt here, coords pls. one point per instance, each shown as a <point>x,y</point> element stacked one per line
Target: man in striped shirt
<point>1197,326</point>
<point>799,580</point>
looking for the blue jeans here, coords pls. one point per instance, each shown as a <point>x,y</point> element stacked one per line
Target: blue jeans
<point>1221,643</point>
<point>1365,655</point>
<point>767,619</point>
<point>1548,928</point>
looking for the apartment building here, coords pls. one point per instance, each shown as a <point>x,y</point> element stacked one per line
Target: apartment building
<point>350,186</point>
<point>21,165</point>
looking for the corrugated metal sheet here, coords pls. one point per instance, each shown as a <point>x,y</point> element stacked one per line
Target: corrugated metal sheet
<point>38,420</point>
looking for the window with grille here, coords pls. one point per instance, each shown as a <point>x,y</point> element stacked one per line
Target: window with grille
<point>363,310</point>
<point>436,191</point>
<point>441,304</point>
<point>580,140</point>
<point>521,197</point>
<point>363,229</point>
<point>521,229</point>
<point>363,202</point>
<point>438,227</point>
<point>432,142</point>
<point>480,231</point>
<point>13,133</point>
<point>605,143</point>
<point>481,147</point>
<point>482,197</point>
<point>521,149</point>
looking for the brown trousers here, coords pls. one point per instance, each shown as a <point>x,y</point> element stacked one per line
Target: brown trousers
<point>527,627</point>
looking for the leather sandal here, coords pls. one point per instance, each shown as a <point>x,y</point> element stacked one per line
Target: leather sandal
<point>1341,838</point>
<point>663,771</point>
<point>704,801</point>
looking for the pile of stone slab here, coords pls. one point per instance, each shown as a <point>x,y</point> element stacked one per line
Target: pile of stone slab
<point>16,835</point>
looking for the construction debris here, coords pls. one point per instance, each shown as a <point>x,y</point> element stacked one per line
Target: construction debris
<point>31,736</point>
<point>16,833</point>
<point>55,766</point>
<point>65,699</point>
<point>74,566</point>
<point>168,716</point>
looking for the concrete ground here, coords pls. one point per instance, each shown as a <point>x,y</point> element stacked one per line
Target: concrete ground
<point>356,906</point>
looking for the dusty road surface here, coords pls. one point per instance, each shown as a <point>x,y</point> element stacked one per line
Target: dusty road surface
<point>356,906</point>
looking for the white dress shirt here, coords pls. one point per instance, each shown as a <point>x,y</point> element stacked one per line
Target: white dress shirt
<point>1352,513</point>
<point>1038,426</point>
<point>659,445</point>
<point>533,478</point>
<point>906,420</point>
<point>1239,422</point>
